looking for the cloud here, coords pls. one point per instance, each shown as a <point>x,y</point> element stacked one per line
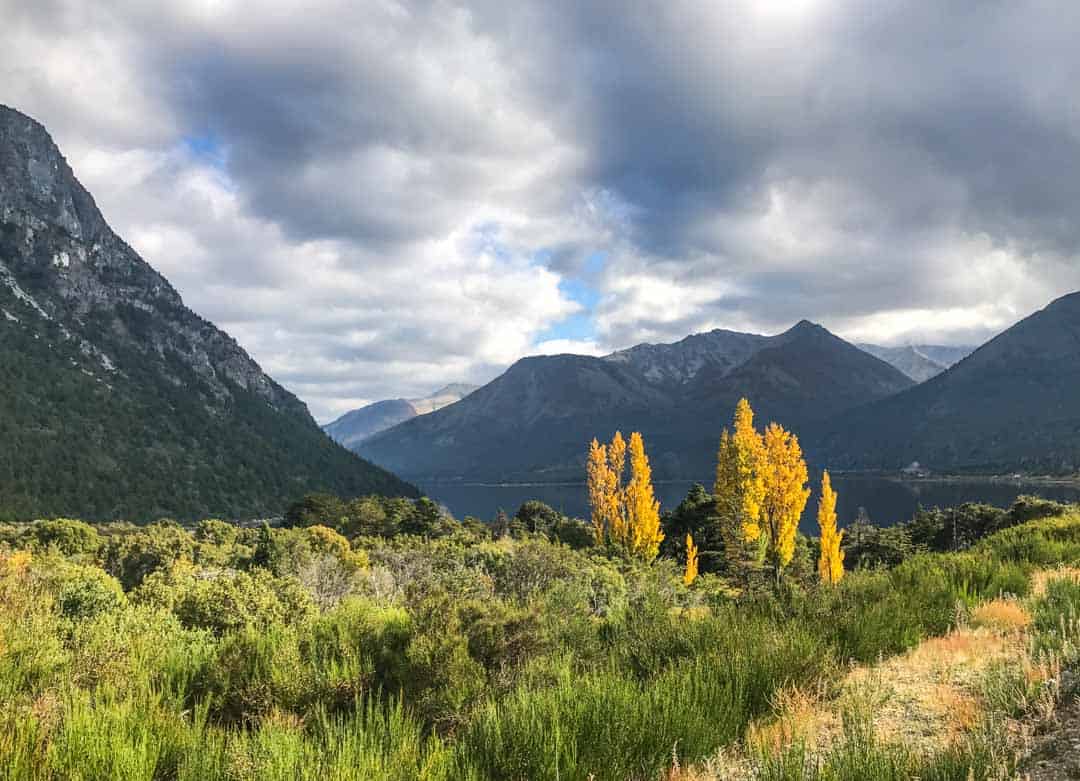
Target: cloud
<point>379,198</point>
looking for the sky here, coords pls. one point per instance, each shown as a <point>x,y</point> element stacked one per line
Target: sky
<point>378,197</point>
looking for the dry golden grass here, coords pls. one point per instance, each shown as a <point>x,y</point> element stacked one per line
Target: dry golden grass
<point>926,699</point>
<point>1041,578</point>
<point>677,773</point>
<point>931,694</point>
<point>725,766</point>
<point>802,717</point>
<point>1002,614</point>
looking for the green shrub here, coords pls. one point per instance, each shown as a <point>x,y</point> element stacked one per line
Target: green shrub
<point>89,593</point>
<point>69,537</point>
<point>131,558</point>
<point>224,600</point>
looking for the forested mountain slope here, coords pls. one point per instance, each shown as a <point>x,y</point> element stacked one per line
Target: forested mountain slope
<point>119,401</point>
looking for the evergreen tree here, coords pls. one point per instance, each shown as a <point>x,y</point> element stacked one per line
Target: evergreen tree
<point>695,514</point>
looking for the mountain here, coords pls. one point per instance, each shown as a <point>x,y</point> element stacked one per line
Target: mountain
<point>534,421</point>
<point>944,354</point>
<point>920,362</point>
<point>1010,405</point>
<point>444,396</point>
<point>118,400</point>
<point>678,363</point>
<point>354,427</point>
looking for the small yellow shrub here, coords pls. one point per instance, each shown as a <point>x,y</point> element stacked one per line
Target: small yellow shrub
<point>15,563</point>
<point>1001,614</point>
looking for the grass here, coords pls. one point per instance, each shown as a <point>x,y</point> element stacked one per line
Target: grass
<point>605,672</point>
<point>959,706</point>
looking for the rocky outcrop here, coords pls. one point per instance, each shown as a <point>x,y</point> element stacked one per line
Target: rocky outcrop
<point>58,253</point>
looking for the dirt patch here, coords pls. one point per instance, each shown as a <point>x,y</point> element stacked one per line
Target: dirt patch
<point>1055,749</point>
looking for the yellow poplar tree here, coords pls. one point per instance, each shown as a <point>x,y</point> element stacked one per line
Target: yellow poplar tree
<point>619,528</point>
<point>831,562</point>
<point>601,483</point>
<point>785,497</point>
<point>728,497</point>
<point>740,489</point>
<point>627,516</point>
<point>642,508</point>
<point>749,469</point>
<point>596,479</point>
<point>691,573</point>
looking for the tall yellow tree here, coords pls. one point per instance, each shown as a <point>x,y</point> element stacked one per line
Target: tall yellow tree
<point>626,516</point>
<point>642,508</point>
<point>740,487</point>
<point>831,562</point>
<point>785,497</point>
<point>691,572</point>
<point>601,489</point>
<point>750,452</point>
<point>616,454</point>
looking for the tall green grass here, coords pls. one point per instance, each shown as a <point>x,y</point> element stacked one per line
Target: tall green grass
<point>537,685</point>
<point>610,725</point>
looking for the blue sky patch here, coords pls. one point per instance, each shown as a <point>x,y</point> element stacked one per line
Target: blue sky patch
<point>207,148</point>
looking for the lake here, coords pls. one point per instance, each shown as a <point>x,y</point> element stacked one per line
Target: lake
<point>886,501</point>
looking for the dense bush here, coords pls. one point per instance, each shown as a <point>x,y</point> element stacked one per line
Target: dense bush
<point>88,593</point>
<point>69,537</point>
<point>316,651</point>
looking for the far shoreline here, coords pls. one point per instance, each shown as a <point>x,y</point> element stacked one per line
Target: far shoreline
<point>1034,480</point>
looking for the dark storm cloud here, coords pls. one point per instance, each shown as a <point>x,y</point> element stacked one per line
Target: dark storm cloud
<point>404,185</point>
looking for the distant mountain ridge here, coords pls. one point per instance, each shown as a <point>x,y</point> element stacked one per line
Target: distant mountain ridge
<point>679,362</point>
<point>118,400</point>
<point>355,426</point>
<point>1010,405</point>
<point>920,362</point>
<point>534,421</point>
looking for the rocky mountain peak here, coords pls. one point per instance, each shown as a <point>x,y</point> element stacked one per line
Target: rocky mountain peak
<point>680,362</point>
<point>36,180</point>
<point>61,261</point>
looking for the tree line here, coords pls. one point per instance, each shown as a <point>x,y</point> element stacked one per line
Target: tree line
<point>759,496</point>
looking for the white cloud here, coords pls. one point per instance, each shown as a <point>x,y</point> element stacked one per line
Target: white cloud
<point>389,194</point>
<point>571,346</point>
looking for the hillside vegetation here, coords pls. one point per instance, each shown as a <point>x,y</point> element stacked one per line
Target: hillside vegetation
<point>118,401</point>
<point>381,639</point>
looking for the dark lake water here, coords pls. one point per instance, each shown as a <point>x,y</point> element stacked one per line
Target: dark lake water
<point>886,501</point>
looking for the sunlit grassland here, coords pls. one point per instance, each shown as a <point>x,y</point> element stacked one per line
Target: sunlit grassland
<point>593,670</point>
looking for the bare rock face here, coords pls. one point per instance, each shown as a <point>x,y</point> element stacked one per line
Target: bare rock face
<point>119,401</point>
<point>920,362</point>
<point>58,249</point>
<point>671,365</point>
